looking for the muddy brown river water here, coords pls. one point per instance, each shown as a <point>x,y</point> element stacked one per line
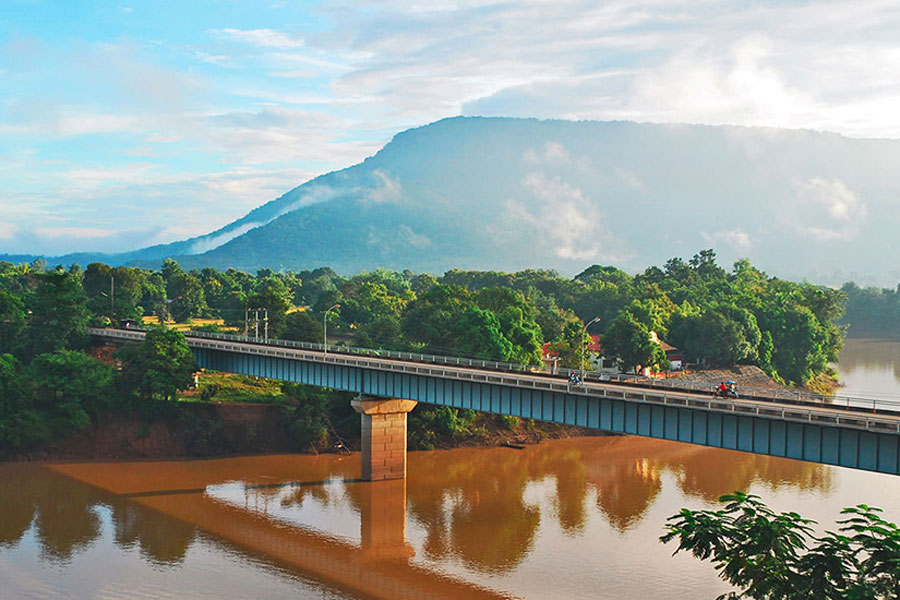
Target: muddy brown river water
<point>576,518</point>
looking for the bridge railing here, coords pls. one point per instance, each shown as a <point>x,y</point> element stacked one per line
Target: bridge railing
<point>782,395</point>
<point>802,414</point>
<point>398,355</point>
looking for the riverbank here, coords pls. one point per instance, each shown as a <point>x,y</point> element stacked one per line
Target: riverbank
<point>201,429</point>
<point>752,377</point>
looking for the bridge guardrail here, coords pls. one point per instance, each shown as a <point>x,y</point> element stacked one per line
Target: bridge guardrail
<point>786,413</point>
<point>748,393</point>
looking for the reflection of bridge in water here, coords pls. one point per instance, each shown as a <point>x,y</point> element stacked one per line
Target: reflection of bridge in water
<point>377,567</point>
<point>390,388</point>
<point>473,517</point>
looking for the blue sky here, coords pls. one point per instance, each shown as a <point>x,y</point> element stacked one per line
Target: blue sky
<point>132,123</point>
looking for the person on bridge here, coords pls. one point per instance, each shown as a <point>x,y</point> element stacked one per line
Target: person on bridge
<point>723,388</point>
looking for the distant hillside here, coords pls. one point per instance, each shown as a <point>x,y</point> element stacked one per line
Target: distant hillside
<point>511,193</point>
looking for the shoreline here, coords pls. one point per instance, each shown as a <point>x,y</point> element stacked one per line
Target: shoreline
<point>220,430</point>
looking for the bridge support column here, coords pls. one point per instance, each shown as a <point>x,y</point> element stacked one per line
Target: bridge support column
<point>383,436</point>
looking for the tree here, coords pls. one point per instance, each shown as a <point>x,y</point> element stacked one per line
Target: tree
<point>159,366</point>
<point>184,290</point>
<point>69,386</point>
<point>772,556</point>
<point>721,336</point>
<point>572,344</point>
<point>274,296</point>
<point>59,312</point>
<point>12,322</point>
<point>20,423</point>
<point>629,341</point>
<point>301,326</point>
<point>517,321</point>
<point>479,336</point>
<point>122,284</point>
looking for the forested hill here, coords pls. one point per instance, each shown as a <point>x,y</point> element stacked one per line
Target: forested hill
<point>494,193</point>
<point>872,312</point>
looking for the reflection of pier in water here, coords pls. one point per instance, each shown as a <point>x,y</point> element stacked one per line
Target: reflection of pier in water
<point>473,519</point>
<point>378,568</point>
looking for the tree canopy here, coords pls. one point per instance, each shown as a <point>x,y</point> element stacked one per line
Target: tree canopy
<point>772,556</point>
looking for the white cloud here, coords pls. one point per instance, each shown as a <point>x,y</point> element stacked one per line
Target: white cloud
<point>553,154</point>
<point>333,93</point>
<point>295,74</point>
<point>268,38</point>
<point>384,190</point>
<point>75,232</point>
<point>7,229</point>
<point>569,222</point>
<point>411,238</point>
<point>826,209</point>
<point>207,243</point>
<point>735,239</point>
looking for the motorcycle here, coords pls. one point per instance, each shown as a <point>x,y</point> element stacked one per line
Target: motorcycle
<point>730,391</point>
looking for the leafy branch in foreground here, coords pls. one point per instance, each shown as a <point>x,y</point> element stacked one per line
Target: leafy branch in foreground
<point>773,556</point>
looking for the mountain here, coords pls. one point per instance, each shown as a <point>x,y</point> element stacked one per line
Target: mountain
<point>496,193</point>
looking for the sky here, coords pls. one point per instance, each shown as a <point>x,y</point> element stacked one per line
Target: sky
<point>126,124</point>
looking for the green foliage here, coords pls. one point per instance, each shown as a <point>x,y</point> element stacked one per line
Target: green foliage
<point>872,311</point>
<point>232,387</point>
<point>158,367</point>
<point>123,285</point>
<point>771,556</point>
<point>59,313</point>
<point>720,336</point>
<point>21,424</point>
<point>71,385</point>
<point>184,292</point>
<point>492,324</point>
<point>629,341</point>
<point>428,424</point>
<point>571,345</point>
<point>12,322</point>
<point>302,326</point>
<point>318,415</point>
<point>274,296</point>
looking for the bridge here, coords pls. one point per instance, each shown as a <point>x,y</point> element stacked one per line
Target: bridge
<point>391,386</point>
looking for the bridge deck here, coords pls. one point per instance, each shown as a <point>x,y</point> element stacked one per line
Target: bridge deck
<point>830,434</point>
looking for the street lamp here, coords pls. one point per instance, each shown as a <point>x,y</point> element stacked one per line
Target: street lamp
<point>586,325</point>
<point>325,326</point>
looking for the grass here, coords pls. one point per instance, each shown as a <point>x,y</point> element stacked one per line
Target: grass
<point>228,387</point>
<point>152,320</point>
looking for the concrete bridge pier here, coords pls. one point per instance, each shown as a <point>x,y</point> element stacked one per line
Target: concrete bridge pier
<point>383,436</point>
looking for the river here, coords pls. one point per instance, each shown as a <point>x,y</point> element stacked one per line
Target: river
<point>870,369</point>
<point>576,518</point>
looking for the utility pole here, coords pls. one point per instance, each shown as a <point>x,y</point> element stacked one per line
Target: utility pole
<point>586,325</point>
<point>112,303</point>
<point>256,311</point>
<point>325,327</point>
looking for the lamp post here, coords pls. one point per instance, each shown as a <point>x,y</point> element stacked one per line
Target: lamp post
<point>325,326</point>
<point>586,325</point>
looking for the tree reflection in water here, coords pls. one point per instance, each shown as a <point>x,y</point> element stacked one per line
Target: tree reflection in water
<point>64,514</point>
<point>161,539</point>
<point>472,505</point>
